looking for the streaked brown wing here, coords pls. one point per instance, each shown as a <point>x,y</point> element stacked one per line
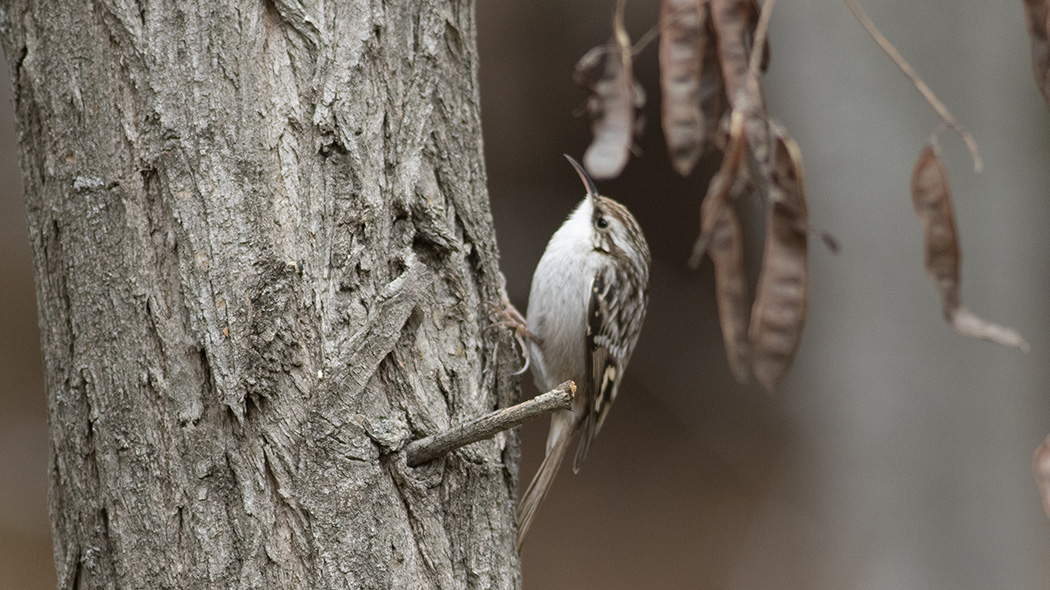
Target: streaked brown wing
<point>603,369</point>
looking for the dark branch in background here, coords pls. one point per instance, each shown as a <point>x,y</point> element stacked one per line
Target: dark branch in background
<point>429,448</point>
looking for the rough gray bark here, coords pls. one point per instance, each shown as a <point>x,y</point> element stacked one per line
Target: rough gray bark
<point>265,262</point>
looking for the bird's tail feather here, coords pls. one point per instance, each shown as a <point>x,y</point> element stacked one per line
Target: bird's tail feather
<point>540,485</point>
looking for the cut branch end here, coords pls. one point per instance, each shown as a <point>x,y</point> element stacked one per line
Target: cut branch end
<point>431,447</point>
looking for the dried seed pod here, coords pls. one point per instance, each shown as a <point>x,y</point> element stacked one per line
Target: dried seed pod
<point>733,21</point>
<point>1036,15</point>
<point>713,100</point>
<point>721,238</point>
<point>589,68</point>
<point>730,20</point>
<point>1041,467</point>
<point>613,101</point>
<point>932,199</point>
<point>721,184</point>
<point>683,25</point>
<point>726,249</point>
<point>781,299</point>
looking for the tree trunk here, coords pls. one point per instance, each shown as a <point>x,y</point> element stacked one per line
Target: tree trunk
<point>265,262</point>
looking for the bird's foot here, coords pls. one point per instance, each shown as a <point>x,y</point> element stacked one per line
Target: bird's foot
<point>508,316</point>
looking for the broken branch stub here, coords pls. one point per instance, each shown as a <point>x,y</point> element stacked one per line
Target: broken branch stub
<point>781,298</point>
<point>431,447</point>
<point>932,199</point>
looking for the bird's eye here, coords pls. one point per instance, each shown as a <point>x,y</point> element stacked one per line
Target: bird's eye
<point>602,223</point>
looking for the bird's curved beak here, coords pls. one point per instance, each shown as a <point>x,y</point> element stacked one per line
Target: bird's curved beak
<point>588,182</point>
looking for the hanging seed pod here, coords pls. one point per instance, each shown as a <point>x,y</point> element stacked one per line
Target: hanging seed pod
<point>932,199</point>
<point>781,299</point>
<point>1036,15</point>
<point>607,74</point>
<point>683,26</point>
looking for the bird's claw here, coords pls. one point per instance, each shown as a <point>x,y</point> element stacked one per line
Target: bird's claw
<point>508,316</point>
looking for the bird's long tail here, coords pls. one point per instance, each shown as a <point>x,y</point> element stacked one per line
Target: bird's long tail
<point>541,482</point>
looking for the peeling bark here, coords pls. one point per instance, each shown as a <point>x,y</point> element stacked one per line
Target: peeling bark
<point>265,262</point>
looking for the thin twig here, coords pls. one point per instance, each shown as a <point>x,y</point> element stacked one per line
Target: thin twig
<point>649,35</point>
<point>758,42</point>
<point>657,29</point>
<point>645,39</point>
<point>949,119</point>
<point>623,40</point>
<point>721,183</point>
<point>429,448</point>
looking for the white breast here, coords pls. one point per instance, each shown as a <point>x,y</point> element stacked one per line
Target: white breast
<point>558,302</point>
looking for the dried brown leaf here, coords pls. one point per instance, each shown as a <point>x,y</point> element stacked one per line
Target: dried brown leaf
<point>932,199</point>
<point>781,299</point>
<point>682,41</point>
<point>726,249</point>
<point>1041,467</point>
<point>612,103</point>
<point>1036,15</point>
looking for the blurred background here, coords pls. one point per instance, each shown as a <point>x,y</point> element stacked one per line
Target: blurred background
<point>895,454</point>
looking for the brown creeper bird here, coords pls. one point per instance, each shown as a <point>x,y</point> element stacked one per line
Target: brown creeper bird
<point>586,307</point>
